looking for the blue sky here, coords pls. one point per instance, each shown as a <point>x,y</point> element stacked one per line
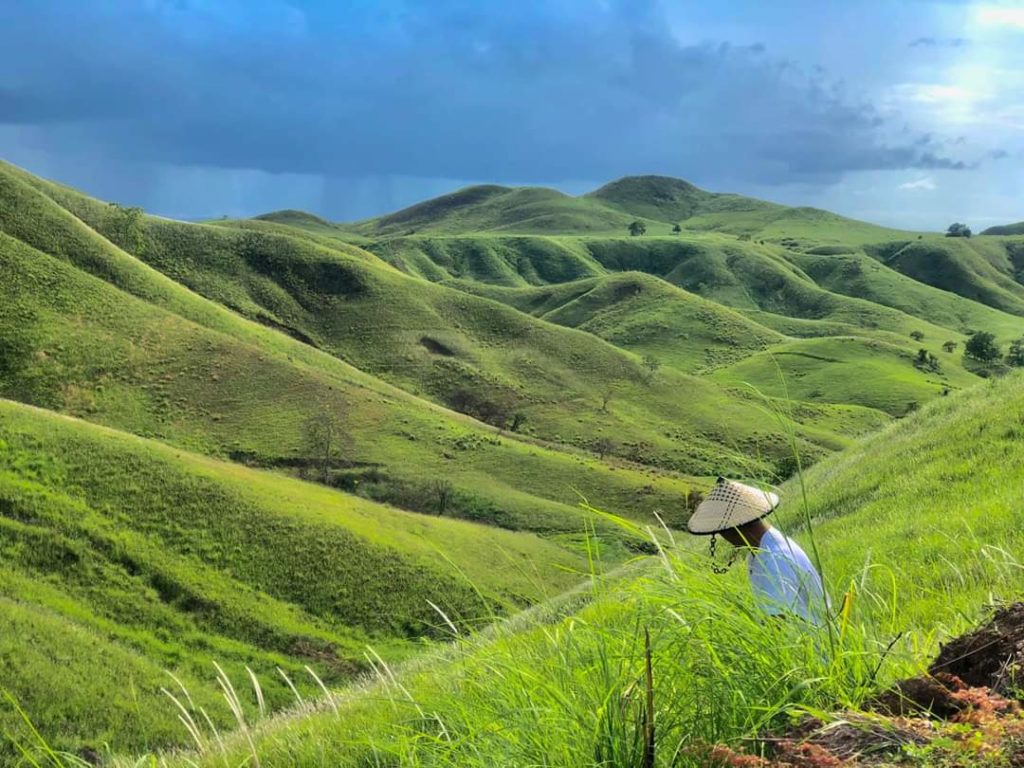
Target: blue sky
<point>905,113</point>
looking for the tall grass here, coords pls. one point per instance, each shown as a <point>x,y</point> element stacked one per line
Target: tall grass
<point>653,669</point>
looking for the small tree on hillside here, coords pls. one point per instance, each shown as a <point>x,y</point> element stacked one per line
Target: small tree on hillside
<point>982,346</point>
<point>637,228</point>
<point>126,227</point>
<point>442,491</point>
<point>949,346</point>
<point>606,397</point>
<point>927,361</point>
<point>323,437</point>
<point>958,230</point>
<point>603,446</point>
<point>676,229</point>
<point>917,336</point>
<point>651,366</point>
<point>1015,356</point>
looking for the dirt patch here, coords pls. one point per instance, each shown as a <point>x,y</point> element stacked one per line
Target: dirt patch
<point>925,695</point>
<point>854,736</point>
<point>991,656</point>
<point>960,714</point>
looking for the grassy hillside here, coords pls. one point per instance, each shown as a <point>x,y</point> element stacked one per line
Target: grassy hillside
<point>571,387</point>
<point>123,557</point>
<point>77,345</point>
<point>1006,229</point>
<point>492,356</point>
<point>916,524</point>
<point>984,270</point>
<point>500,209</point>
<point>848,370</point>
<point>659,202</point>
<point>860,276</point>
<point>643,314</point>
<point>492,259</point>
<point>674,200</point>
<point>743,275</point>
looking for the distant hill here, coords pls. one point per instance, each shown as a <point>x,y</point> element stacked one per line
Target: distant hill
<point>293,218</point>
<point>657,197</point>
<point>660,202</point>
<point>499,209</point>
<point>1006,229</point>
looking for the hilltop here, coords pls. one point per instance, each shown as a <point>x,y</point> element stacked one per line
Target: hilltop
<point>659,201</point>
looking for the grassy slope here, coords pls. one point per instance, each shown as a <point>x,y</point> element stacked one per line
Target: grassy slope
<point>919,521</point>
<point>491,259</point>
<point>493,208</point>
<point>75,344</point>
<point>658,201</point>
<point>371,315</point>
<point>1006,229</point>
<point>674,200</point>
<point>857,275</point>
<point>981,269</point>
<point>122,557</point>
<point>850,370</point>
<point>739,274</point>
<point>643,314</point>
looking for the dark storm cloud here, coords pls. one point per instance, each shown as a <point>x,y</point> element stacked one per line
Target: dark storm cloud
<point>939,42</point>
<point>544,91</point>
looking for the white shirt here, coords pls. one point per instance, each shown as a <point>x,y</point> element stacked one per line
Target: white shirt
<point>784,579</point>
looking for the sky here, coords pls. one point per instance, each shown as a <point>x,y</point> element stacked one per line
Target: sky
<point>907,113</point>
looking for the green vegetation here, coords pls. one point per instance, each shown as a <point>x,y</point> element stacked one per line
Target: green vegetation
<point>1006,229</point>
<point>126,557</point>
<point>916,524</point>
<point>984,270</point>
<point>271,443</point>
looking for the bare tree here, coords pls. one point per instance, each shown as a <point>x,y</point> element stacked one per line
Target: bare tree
<point>442,490</point>
<point>651,365</point>
<point>606,397</point>
<point>603,446</point>
<point>323,438</point>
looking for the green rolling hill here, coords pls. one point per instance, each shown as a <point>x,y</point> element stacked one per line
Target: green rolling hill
<point>1006,229</point>
<point>486,360</point>
<point>916,524</point>
<point>984,270</point>
<point>123,557</point>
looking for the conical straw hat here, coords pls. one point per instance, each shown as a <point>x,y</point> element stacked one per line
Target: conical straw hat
<point>729,505</point>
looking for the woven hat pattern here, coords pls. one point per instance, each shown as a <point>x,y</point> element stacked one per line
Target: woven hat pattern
<point>730,504</point>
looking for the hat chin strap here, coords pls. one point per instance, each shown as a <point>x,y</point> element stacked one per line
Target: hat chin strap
<point>712,549</point>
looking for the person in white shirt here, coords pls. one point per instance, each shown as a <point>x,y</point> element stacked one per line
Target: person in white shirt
<point>782,577</point>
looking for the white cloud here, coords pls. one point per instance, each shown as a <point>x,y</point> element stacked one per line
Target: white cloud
<point>1001,15</point>
<point>933,93</point>
<point>926,183</point>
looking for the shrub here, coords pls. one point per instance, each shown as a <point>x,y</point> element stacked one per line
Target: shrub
<point>982,346</point>
<point>1015,356</point>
